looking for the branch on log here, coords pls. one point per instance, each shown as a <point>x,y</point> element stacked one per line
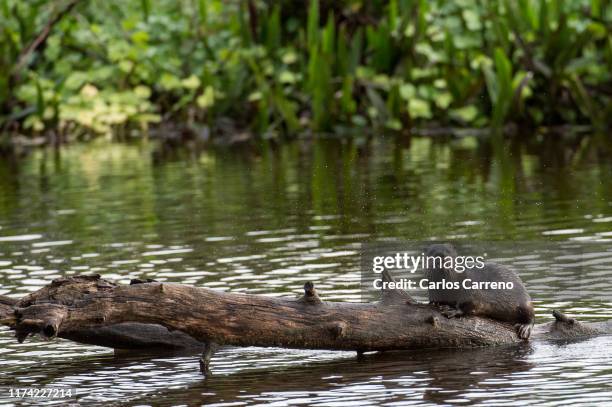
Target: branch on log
<point>92,310</point>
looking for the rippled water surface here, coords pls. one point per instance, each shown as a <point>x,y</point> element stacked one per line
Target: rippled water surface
<point>265,221</point>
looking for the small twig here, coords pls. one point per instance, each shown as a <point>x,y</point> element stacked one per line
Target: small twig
<point>532,63</point>
<point>40,39</point>
<point>253,20</point>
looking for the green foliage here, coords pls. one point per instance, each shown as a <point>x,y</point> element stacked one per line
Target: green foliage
<point>285,67</point>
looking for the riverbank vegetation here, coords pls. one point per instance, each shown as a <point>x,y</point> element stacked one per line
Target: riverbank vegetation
<point>78,68</point>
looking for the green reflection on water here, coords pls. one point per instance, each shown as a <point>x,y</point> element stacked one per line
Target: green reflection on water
<point>329,193</point>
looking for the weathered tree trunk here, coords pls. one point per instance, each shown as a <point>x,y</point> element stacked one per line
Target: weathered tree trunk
<point>126,335</point>
<point>92,310</point>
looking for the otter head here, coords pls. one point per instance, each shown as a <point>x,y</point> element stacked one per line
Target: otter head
<point>435,255</point>
<point>441,250</point>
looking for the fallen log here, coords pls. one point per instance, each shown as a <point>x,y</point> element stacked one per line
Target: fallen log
<point>92,310</point>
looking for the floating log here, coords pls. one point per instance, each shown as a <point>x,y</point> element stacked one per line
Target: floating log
<point>154,315</point>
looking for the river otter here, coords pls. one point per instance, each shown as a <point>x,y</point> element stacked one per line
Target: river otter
<point>510,305</point>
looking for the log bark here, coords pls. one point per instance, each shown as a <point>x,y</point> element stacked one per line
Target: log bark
<point>122,336</point>
<point>152,315</point>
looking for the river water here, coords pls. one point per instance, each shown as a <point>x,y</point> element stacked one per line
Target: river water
<point>265,220</point>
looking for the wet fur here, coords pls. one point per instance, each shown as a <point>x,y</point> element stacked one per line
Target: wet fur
<point>504,305</point>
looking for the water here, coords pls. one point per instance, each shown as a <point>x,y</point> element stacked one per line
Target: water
<point>265,220</point>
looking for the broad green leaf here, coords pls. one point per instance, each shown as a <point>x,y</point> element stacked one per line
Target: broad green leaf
<point>287,77</point>
<point>192,82</point>
<point>419,108</point>
<point>207,98</point>
<point>465,114</point>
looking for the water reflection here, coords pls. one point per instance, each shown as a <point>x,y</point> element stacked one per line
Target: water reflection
<point>390,377</point>
<point>265,220</point>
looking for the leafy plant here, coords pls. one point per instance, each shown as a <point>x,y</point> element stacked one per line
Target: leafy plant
<point>270,68</point>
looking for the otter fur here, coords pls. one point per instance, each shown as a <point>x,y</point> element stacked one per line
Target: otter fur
<point>512,305</point>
